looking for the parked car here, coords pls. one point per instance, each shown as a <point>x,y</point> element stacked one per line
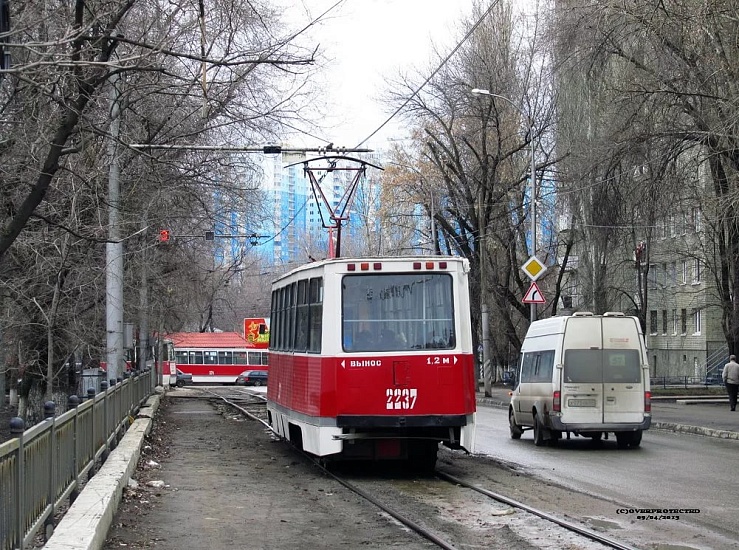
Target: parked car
<point>252,378</point>
<point>183,379</point>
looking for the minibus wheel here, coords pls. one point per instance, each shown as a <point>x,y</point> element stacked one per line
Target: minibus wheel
<point>539,439</point>
<point>628,439</point>
<point>516,430</point>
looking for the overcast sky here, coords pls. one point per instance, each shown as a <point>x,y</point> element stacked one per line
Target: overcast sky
<point>370,41</point>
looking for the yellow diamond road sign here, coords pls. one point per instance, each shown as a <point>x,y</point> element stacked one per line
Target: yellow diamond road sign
<point>534,268</point>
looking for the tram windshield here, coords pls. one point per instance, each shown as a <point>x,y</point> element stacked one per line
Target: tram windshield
<point>394,312</point>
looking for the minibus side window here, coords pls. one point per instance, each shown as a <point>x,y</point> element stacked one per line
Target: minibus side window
<point>527,366</point>
<point>544,366</point>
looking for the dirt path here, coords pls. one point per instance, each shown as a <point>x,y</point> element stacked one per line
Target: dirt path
<point>229,484</point>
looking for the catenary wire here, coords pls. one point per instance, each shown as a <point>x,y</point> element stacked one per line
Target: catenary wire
<point>433,74</point>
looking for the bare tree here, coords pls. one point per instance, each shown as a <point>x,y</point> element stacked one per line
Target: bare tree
<point>478,150</point>
<point>665,77</point>
<point>188,77</point>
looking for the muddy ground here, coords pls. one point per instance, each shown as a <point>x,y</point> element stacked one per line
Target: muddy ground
<point>210,479</point>
<point>228,483</point>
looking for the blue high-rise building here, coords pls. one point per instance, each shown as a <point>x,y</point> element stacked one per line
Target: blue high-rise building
<point>298,229</point>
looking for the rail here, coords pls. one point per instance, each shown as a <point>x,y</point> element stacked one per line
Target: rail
<point>43,466</point>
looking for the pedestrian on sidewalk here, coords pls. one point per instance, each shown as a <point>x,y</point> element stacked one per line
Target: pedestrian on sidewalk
<point>731,380</point>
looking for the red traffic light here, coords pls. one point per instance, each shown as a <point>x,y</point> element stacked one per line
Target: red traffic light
<point>163,235</point>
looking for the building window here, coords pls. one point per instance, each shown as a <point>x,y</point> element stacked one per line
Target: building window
<point>684,321</point>
<point>673,274</point>
<point>653,321</point>
<point>653,276</point>
<point>685,272</point>
<point>697,223</point>
<point>696,271</point>
<point>674,321</point>
<point>672,225</point>
<point>697,321</point>
<point>664,321</point>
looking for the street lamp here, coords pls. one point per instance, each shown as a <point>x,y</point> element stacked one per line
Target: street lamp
<point>533,173</point>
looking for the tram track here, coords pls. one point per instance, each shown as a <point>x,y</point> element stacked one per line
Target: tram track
<point>445,532</point>
<point>251,405</point>
<point>389,496</point>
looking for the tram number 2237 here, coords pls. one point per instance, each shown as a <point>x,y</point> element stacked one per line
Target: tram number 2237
<point>401,398</point>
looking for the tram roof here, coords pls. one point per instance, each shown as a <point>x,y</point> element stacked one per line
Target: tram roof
<point>209,340</point>
<point>372,260</point>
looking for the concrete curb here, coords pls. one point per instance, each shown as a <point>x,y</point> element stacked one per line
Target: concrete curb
<point>695,430</point>
<point>86,523</point>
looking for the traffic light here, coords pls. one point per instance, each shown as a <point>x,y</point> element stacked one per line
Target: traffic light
<point>164,235</point>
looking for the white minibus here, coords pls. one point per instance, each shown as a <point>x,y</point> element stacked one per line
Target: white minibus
<point>585,375</point>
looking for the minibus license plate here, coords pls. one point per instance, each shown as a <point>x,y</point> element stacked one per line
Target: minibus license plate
<point>581,402</point>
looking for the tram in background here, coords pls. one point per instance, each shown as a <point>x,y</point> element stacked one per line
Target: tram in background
<point>372,358</point>
<point>214,357</point>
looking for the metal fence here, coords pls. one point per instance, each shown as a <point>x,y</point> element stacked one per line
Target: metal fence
<point>684,381</point>
<point>48,463</point>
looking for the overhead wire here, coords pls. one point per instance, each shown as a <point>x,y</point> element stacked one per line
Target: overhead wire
<point>299,210</point>
<point>433,74</point>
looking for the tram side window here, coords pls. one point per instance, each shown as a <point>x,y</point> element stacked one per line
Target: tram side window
<point>291,297</point>
<point>195,357</point>
<point>281,314</point>
<point>275,321</point>
<point>225,358</point>
<point>181,357</point>
<point>240,358</point>
<point>289,309</point>
<point>210,358</point>
<point>301,317</point>
<point>281,317</point>
<point>315,299</point>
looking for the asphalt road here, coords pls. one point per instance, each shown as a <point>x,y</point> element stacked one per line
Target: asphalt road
<point>669,471</point>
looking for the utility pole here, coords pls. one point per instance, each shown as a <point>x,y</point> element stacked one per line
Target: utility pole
<point>143,312</point>
<point>484,322</point>
<point>114,247</point>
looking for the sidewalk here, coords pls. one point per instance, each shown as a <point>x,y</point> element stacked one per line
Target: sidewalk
<point>712,419</point>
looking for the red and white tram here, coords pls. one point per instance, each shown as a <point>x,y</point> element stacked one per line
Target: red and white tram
<point>214,357</point>
<point>372,358</point>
